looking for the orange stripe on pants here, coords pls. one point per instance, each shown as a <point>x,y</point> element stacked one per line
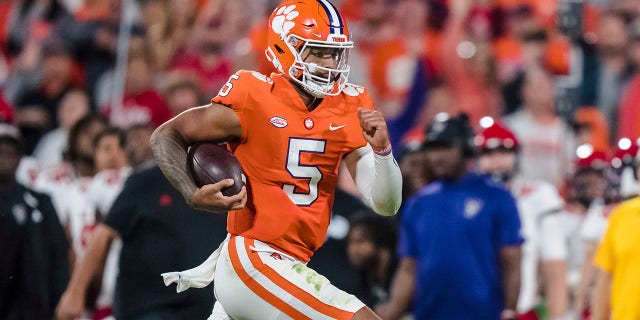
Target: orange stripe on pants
<point>257,288</point>
<point>307,298</point>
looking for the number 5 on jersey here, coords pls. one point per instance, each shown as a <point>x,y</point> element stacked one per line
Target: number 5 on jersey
<point>301,171</point>
<point>224,91</point>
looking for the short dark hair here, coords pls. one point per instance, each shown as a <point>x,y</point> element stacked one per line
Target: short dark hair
<point>72,154</point>
<point>11,134</point>
<point>186,84</point>
<point>111,131</point>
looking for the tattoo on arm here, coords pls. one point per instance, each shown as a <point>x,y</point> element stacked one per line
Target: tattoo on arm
<point>170,151</point>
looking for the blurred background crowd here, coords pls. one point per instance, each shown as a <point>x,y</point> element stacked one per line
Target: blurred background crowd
<point>86,81</point>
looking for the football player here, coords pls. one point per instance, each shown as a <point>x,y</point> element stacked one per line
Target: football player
<point>562,246</point>
<point>290,130</point>
<point>623,185</point>
<point>499,152</point>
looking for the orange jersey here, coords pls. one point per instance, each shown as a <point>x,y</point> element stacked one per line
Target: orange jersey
<point>291,158</point>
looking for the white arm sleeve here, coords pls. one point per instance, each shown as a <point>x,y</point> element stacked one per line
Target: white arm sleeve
<point>594,225</point>
<point>378,178</point>
<point>553,244</point>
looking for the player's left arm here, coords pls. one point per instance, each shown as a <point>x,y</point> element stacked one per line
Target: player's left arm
<point>373,167</point>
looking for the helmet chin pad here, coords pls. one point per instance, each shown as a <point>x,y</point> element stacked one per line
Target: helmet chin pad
<point>317,90</point>
<point>320,86</point>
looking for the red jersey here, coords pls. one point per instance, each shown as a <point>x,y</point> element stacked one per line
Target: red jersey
<point>291,158</point>
<point>144,107</point>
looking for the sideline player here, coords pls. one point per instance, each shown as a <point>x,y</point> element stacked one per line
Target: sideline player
<point>499,153</point>
<point>290,130</point>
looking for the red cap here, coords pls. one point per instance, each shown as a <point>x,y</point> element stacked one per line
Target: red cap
<point>625,152</point>
<point>494,136</point>
<point>588,158</point>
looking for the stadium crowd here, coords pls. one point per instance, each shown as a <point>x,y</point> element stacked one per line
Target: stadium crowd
<point>551,86</point>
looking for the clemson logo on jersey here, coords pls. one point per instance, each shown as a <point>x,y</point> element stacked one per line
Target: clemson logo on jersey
<point>282,23</point>
<point>308,123</point>
<point>278,122</point>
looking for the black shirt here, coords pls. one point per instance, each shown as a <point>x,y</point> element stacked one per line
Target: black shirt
<point>160,233</point>
<point>34,259</point>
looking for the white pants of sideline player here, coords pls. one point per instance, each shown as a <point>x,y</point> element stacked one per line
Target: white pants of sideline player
<point>255,281</point>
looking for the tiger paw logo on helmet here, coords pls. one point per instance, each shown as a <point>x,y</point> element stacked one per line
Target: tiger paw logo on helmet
<point>282,23</point>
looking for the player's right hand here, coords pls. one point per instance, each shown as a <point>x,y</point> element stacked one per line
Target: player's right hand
<point>210,198</point>
<point>70,307</point>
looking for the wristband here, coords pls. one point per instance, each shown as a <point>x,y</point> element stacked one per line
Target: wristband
<point>382,152</point>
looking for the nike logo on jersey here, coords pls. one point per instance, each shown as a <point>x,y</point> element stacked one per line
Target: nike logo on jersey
<point>317,35</point>
<point>332,128</point>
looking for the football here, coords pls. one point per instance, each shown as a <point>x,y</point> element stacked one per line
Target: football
<point>210,163</point>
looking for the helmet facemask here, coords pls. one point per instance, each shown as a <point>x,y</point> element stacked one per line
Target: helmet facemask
<point>317,80</point>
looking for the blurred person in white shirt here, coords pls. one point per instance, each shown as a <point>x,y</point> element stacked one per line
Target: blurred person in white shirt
<point>81,208</point>
<point>562,249</point>
<point>499,157</point>
<point>623,174</point>
<point>50,149</point>
<point>78,162</point>
<point>546,141</point>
